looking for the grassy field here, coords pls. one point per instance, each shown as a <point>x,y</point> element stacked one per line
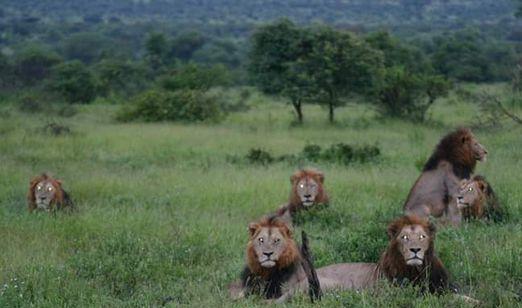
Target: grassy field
<point>163,213</point>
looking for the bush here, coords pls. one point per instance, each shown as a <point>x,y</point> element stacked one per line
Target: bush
<point>259,156</point>
<point>339,153</point>
<point>181,105</point>
<point>409,95</point>
<point>34,64</point>
<point>196,77</point>
<point>31,104</point>
<point>74,82</point>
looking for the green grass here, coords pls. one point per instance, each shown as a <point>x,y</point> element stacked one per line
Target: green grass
<point>162,213</point>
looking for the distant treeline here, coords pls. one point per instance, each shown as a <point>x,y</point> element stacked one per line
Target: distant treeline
<point>77,51</point>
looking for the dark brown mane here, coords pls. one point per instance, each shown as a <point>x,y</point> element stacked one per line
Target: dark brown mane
<point>395,269</point>
<point>268,282</point>
<point>452,149</point>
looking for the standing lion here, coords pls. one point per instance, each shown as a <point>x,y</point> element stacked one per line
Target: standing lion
<point>434,191</point>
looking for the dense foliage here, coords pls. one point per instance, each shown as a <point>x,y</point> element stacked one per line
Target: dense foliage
<point>324,52</point>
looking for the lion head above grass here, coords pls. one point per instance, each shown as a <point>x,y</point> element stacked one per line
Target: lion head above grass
<point>477,200</point>
<point>46,193</point>
<point>410,255</point>
<point>306,191</point>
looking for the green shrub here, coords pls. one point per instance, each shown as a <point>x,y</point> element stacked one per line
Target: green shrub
<point>339,153</point>
<point>195,77</point>
<point>74,82</point>
<point>181,105</point>
<point>259,156</point>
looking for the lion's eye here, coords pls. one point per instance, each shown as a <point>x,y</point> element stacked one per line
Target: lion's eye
<point>422,236</point>
<point>470,189</point>
<point>301,185</point>
<point>261,240</point>
<point>277,240</point>
<point>50,188</point>
<point>39,187</point>
<point>405,237</point>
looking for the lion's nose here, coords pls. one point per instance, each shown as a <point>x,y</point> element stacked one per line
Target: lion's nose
<point>268,254</point>
<point>460,198</point>
<point>43,198</point>
<point>308,196</point>
<point>415,250</point>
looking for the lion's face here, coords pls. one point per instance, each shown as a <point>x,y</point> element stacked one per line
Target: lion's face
<point>413,242</point>
<point>44,193</point>
<point>469,193</point>
<point>269,244</point>
<point>307,190</point>
<point>479,151</point>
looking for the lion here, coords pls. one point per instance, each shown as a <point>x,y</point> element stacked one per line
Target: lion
<point>307,190</point>
<point>476,199</point>
<point>434,191</point>
<point>46,193</point>
<point>273,268</point>
<point>274,264</point>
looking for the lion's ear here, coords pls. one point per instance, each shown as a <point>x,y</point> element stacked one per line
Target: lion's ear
<point>59,182</point>
<point>432,228</point>
<point>293,178</point>
<point>287,230</point>
<point>392,230</point>
<point>320,177</point>
<point>465,139</point>
<point>482,186</point>
<point>252,228</point>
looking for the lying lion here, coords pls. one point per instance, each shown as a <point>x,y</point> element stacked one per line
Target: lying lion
<point>46,194</point>
<point>477,200</point>
<point>307,191</point>
<point>273,269</point>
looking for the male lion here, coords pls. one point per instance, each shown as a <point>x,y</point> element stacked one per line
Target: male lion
<point>454,159</point>
<point>275,266</point>
<point>476,199</point>
<point>273,262</point>
<point>46,193</point>
<point>307,190</point>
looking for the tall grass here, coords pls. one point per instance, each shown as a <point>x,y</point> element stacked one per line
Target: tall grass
<point>163,214</point>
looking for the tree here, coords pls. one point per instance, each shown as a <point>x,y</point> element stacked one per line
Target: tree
<point>74,82</point>
<point>277,62</point>
<point>156,50</point>
<point>410,85</point>
<point>195,77</point>
<point>87,47</point>
<point>34,64</point>
<point>518,13</point>
<point>184,45</point>
<point>408,95</point>
<point>461,56</point>
<point>340,65</point>
<point>121,77</point>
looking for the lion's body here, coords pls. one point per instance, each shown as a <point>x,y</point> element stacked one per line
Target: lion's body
<point>287,274</point>
<point>454,159</point>
<point>307,190</point>
<point>46,193</point>
<point>477,200</point>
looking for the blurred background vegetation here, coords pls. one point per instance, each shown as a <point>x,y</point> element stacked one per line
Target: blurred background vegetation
<point>164,60</point>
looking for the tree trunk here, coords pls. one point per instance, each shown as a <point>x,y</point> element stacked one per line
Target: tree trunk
<point>298,110</point>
